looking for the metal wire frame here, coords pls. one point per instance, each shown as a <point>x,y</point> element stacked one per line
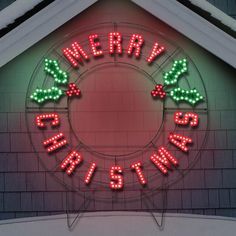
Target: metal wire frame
<point>152,192</point>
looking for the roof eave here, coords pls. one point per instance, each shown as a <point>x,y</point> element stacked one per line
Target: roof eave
<point>194,27</point>
<point>171,12</point>
<point>38,26</point>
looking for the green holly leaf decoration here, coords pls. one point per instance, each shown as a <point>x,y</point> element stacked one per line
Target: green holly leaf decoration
<point>179,67</point>
<point>42,95</point>
<point>53,69</point>
<point>191,96</point>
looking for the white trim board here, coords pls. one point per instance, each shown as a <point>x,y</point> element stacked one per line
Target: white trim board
<point>38,26</point>
<point>171,12</point>
<point>216,13</point>
<point>194,27</point>
<point>15,10</point>
<point>120,223</point>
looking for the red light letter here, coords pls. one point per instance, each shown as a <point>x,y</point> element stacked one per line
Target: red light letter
<point>137,167</point>
<point>117,180</point>
<point>75,53</point>
<point>156,50</point>
<point>71,161</point>
<point>115,41</point>
<point>184,120</point>
<point>162,161</point>
<point>180,141</point>
<point>47,116</point>
<point>95,45</point>
<point>90,172</point>
<point>136,41</point>
<point>54,142</point>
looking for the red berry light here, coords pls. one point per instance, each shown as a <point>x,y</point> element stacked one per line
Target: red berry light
<point>158,91</point>
<point>73,90</point>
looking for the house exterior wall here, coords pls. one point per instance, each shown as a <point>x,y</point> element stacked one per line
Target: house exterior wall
<point>209,188</point>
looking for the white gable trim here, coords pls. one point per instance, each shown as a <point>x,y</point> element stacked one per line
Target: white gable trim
<point>16,10</point>
<point>38,26</point>
<point>216,13</point>
<point>194,27</point>
<point>171,12</point>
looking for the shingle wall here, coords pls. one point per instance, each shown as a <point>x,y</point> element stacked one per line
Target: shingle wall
<point>26,189</point>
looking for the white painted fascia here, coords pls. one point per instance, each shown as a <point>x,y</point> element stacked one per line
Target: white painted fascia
<point>15,10</point>
<point>38,26</point>
<point>194,27</point>
<point>171,12</point>
<point>216,13</point>
<point>120,223</point>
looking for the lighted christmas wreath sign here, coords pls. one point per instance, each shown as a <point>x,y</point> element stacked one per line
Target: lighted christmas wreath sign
<point>75,54</point>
